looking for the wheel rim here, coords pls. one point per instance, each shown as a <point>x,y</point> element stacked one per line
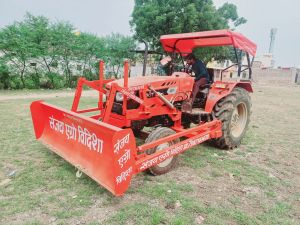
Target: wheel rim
<point>167,161</point>
<point>239,120</point>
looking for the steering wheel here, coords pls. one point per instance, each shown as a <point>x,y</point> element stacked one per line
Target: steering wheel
<point>187,70</point>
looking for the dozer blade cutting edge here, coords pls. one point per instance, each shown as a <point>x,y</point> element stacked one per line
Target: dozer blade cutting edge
<point>102,151</point>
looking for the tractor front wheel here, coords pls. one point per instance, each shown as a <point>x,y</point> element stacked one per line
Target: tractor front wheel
<point>169,163</point>
<point>234,111</point>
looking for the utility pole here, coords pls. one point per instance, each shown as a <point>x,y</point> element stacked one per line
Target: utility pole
<point>272,41</point>
<point>271,47</point>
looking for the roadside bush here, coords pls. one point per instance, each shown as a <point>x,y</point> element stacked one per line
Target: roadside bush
<point>31,82</point>
<point>46,83</point>
<point>4,77</point>
<point>53,81</point>
<point>15,82</point>
<point>90,76</point>
<point>74,80</point>
<point>58,81</point>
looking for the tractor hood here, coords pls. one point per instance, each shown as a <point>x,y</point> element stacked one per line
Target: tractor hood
<point>153,79</point>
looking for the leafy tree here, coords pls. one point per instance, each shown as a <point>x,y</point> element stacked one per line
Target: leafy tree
<point>39,38</point>
<point>153,18</point>
<point>63,41</point>
<point>37,52</point>
<point>117,50</point>
<point>229,12</point>
<point>14,45</point>
<point>4,75</point>
<point>88,49</point>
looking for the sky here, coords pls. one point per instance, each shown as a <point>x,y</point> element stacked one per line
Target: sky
<point>103,17</point>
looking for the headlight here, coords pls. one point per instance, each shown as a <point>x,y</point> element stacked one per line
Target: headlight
<point>119,97</point>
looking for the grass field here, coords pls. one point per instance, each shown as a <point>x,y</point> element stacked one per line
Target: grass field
<point>258,183</point>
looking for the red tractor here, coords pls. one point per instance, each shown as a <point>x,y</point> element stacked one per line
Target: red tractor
<point>151,108</point>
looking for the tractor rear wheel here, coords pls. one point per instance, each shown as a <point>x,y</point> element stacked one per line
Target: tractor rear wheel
<point>234,111</point>
<point>169,163</point>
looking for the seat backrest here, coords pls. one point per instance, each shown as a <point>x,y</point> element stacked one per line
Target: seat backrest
<point>211,74</point>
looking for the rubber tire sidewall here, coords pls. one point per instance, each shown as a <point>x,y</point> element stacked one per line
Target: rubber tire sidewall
<point>228,141</point>
<point>158,133</point>
<point>237,140</point>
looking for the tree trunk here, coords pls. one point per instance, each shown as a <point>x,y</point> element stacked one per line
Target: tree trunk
<point>48,67</point>
<point>22,75</point>
<point>23,82</point>
<point>68,74</point>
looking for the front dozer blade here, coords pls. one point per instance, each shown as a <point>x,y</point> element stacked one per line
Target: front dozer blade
<point>102,151</point>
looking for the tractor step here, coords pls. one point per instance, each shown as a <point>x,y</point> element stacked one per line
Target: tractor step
<point>195,111</point>
<point>199,111</point>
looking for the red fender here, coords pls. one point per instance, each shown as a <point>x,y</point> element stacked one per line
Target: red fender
<point>221,89</point>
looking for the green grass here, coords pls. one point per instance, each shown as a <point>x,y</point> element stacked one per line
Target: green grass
<point>190,208</point>
<point>45,184</point>
<point>203,156</point>
<point>34,222</point>
<point>139,213</point>
<point>38,170</point>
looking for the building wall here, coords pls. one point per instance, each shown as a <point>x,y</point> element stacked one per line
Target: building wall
<point>279,76</point>
<point>276,76</point>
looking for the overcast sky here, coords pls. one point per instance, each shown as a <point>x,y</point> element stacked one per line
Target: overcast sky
<point>102,17</point>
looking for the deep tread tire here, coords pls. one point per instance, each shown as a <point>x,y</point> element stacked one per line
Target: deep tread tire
<point>158,133</point>
<point>224,110</point>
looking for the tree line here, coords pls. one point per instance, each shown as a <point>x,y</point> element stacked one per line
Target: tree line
<point>39,53</point>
